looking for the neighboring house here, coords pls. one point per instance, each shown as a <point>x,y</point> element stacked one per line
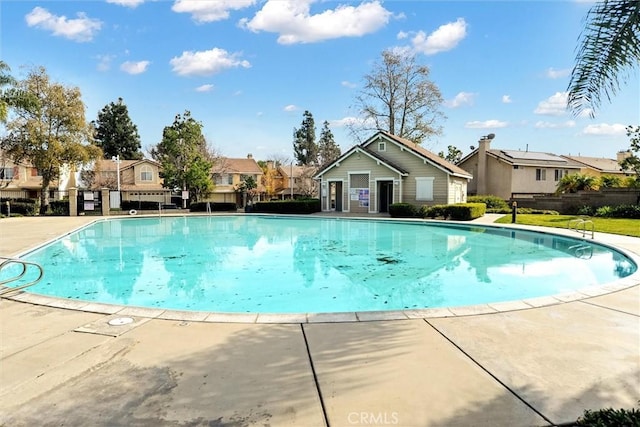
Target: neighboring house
<point>22,180</point>
<point>229,173</point>
<point>386,169</point>
<point>599,166</point>
<point>139,179</point>
<point>514,173</point>
<point>291,181</point>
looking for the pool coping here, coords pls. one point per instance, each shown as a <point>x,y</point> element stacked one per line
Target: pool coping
<point>344,317</point>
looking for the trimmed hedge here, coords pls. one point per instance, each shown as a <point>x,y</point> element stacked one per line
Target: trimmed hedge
<point>458,211</point>
<point>19,206</point>
<point>403,210</point>
<point>215,207</point>
<point>299,206</point>
<point>492,202</point>
<point>59,207</point>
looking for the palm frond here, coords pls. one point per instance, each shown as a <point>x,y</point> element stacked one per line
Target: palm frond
<point>609,48</point>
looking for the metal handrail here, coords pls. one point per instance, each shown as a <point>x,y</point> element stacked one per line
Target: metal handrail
<point>577,222</point>
<point>25,265</point>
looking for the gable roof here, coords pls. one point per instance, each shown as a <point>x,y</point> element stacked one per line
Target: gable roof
<point>360,149</point>
<point>237,165</point>
<point>108,165</point>
<point>598,163</point>
<point>421,152</point>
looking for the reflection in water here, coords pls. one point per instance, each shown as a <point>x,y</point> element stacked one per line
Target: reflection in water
<point>275,264</point>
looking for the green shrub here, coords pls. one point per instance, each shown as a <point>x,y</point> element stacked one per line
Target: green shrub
<point>492,202</point>
<point>18,206</point>
<point>298,206</point>
<point>403,210</point>
<point>142,205</point>
<point>215,207</point>
<point>466,211</point>
<point>610,418</point>
<point>434,211</point>
<point>59,207</point>
<point>586,210</point>
<point>459,211</point>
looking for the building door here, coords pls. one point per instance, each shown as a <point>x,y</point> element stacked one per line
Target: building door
<point>385,195</point>
<point>335,196</point>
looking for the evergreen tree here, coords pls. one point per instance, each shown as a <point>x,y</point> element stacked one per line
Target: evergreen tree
<point>328,150</point>
<point>116,134</point>
<point>453,154</point>
<point>305,149</point>
<point>184,156</point>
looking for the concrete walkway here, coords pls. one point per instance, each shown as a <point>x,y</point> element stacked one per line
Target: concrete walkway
<point>528,367</point>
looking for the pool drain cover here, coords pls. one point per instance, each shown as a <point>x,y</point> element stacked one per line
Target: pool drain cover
<point>119,321</point>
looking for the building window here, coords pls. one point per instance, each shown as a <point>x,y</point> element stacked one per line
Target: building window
<point>516,166</point>
<point>424,188</point>
<point>559,173</point>
<point>541,174</point>
<point>6,173</point>
<point>382,146</point>
<point>146,174</point>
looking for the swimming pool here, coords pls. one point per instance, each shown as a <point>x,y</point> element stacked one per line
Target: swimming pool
<point>271,264</point>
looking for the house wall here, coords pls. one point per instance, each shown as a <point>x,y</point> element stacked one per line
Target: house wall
<point>501,178</point>
<point>417,168</point>
<point>525,183</point>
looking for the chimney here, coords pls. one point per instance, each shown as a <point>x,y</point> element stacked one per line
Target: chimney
<point>270,164</point>
<point>622,154</point>
<point>483,146</point>
<point>249,156</point>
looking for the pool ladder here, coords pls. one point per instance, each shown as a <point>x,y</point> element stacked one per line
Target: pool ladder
<point>580,225</point>
<point>25,267</point>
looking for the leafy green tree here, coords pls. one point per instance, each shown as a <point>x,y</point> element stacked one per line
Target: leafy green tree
<point>575,182</point>
<point>399,97</point>
<point>185,158</point>
<point>453,154</point>
<point>609,46</point>
<point>5,100</point>
<point>328,150</point>
<point>610,181</point>
<point>305,149</point>
<point>633,161</point>
<point>248,187</point>
<point>50,131</point>
<point>116,134</point>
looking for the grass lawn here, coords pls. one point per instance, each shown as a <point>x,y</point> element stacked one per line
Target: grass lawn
<point>627,227</point>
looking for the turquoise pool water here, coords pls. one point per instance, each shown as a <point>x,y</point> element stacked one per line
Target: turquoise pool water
<point>273,264</point>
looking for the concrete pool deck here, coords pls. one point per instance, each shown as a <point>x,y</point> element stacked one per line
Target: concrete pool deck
<point>522,366</point>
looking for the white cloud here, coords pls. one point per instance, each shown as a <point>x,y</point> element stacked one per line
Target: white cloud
<point>127,3</point>
<point>290,108</point>
<point>549,125</point>
<point>350,85</point>
<point>207,62</point>
<point>402,35</point>
<point>82,29</point>
<point>294,22</point>
<point>205,88</point>
<point>460,100</point>
<point>605,129</point>
<point>487,124</point>
<point>552,73</point>
<point>445,38</point>
<point>555,105</point>
<point>210,10</point>
<point>131,67</point>
<point>506,99</point>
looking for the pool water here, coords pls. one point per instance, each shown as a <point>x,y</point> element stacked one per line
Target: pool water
<point>272,264</point>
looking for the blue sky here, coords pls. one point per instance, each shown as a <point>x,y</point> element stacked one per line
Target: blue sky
<point>248,69</point>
